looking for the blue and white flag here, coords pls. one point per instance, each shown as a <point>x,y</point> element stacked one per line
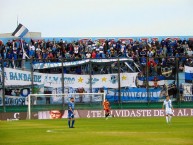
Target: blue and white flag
<point>188,74</point>
<point>20,31</point>
<point>134,94</point>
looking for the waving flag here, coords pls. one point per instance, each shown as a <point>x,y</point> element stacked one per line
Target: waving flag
<point>20,31</point>
<point>188,74</point>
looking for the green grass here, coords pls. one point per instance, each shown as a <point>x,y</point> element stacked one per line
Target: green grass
<point>98,131</point>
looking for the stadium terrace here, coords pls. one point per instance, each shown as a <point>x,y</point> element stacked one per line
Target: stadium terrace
<point>127,70</point>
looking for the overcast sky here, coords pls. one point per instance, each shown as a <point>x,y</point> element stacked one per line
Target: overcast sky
<point>90,18</point>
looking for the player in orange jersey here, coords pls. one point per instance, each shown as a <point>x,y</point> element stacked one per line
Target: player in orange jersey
<point>106,106</point>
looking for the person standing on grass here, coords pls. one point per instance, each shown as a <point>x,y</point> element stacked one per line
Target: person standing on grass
<point>106,106</point>
<point>167,104</point>
<point>71,119</point>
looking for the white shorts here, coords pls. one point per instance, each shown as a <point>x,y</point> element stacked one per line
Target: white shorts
<point>169,111</point>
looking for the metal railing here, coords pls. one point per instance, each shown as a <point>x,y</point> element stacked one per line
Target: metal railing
<point>161,75</point>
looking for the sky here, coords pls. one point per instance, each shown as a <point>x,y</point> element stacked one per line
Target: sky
<point>99,18</point>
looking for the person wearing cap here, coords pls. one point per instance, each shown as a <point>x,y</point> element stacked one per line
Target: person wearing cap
<point>71,119</point>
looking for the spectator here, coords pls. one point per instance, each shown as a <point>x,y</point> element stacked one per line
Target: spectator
<point>53,51</point>
<point>10,59</point>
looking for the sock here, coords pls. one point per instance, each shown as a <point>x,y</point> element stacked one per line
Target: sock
<point>167,119</point>
<point>73,123</point>
<point>170,119</point>
<point>69,123</point>
<point>106,115</point>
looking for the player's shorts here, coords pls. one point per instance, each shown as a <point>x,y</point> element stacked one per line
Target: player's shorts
<point>70,115</point>
<point>168,111</point>
<point>107,110</point>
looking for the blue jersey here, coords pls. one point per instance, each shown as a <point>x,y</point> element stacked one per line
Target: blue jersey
<point>70,105</point>
<point>70,111</point>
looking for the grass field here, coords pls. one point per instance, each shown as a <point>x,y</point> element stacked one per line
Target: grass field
<point>98,131</point>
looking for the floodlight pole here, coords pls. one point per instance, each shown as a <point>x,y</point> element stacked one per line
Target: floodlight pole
<point>17,20</point>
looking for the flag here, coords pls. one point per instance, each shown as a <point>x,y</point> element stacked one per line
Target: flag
<point>188,74</point>
<point>20,31</point>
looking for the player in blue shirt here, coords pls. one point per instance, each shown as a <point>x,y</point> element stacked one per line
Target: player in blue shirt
<point>71,113</point>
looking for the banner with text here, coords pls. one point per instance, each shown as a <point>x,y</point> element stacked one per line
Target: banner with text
<point>134,94</point>
<point>76,63</point>
<point>57,114</point>
<point>21,78</point>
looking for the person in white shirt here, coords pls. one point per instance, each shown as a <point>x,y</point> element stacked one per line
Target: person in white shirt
<point>167,104</point>
<point>32,47</point>
<point>88,55</point>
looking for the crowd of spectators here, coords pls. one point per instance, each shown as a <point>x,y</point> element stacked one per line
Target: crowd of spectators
<point>151,53</point>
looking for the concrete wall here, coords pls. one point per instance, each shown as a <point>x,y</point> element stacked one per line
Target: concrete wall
<point>28,35</point>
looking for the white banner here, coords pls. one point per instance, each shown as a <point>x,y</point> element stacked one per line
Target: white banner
<point>152,83</point>
<point>22,78</point>
<point>188,69</point>
<point>187,89</point>
<point>74,63</point>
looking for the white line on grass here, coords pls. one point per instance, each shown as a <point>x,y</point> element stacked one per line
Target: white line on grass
<point>55,130</point>
<point>111,132</point>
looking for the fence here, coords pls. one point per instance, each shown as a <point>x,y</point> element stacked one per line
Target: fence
<point>128,83</point>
